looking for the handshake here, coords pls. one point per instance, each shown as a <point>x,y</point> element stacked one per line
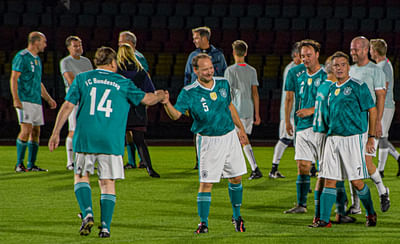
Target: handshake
<point>162,95</point>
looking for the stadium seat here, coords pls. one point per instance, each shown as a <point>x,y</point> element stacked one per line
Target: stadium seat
<point>30,19</point>
<point>358,12</point>
<point>316,24</point>
<point>128,8</point>
<point>324,11</point>
<point>201,10</point>
<point>341,12</point>
<point>212,22</point>
<point>91,7</point>
<point>86,20</point>
<point>34,6</point>
<point>236,10</point>
<point>7,37</point>
<point>282,42</point>
<point>158,22</point>
<point>272,11</point>
<point>350,25</point>
<point>249,36</point>
<point>145,9</point>
<point>264,42</point>
<point>105,21</point>
<point>160,35</point>
<point>46,19</point>
<point>11,19</point>
<point>289,11</point>
<point>229,23</point>
<point>164,9</point>
<point>109,7</point>
<point>219,10</point>
<point>264,23</point>
<point>298,35</point>
<point>193,22</point>
<point>333,24</point>
<point>347,37</point>
<point>122,21</point>
<point>367,25</point>
<point>254,10</point>
<point>333,42</point>
<point>392,12</point>
<point>281,24</point>
<point>176,22</point>
<point>376,12</point>
<point>15,6</point>
<point>182,9</point>
<point>67,20</point>
<point>140,22</point>
<point>247,23</point>
<point>307,11</point>
<point>299,24</point>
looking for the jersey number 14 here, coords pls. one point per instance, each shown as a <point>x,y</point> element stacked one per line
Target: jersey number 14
<point>100,107</point>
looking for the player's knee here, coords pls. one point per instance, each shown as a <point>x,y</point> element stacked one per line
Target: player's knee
<point>383,143</point>
<point>330,183</point>
<point>236,180</point>
<point>286,141</point>
<point>107,186</point>
<point>358,184</point>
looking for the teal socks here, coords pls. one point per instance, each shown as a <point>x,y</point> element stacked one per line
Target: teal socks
<point>21,149</point>
<point>302,187</point>
<point>365,197</point>
<point>341,198</point>
<point>236,196</point>
<point>83,194</point>
<point>328,197</point>
<point>203,206</point>
<point>107,203</point>
<point>131,154</point>
<point>317,196</point>
<point>33,148</point>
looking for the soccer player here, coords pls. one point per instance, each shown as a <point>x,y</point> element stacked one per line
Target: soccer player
<point>27,91</point>
<point>219,150</point>
<point>284,138</point>
<point>243,81</point>
<point>365,70</point>
<point>349,101</point>
<point>320,127</point>
<point>130,38</point>
<point>305,90</point>
<point>130,67</point>
<point>71,66</point>
<point>103,98</point>
<point>378,51</point>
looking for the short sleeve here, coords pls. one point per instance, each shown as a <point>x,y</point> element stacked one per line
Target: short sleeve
<point>183,102</point>
<point>73,94</point>
<point>64,66</point>
<point>366,101</point>
<point>379,81</point>
<point>254,80</point>
<point>290,81</point>
<point>18,64</point>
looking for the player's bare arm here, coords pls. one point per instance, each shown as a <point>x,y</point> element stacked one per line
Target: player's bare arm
<point>256,102</point>
<point>288,109</point>
<point>62,117</point>
<point>46,96</point>
<point>380,105</point>
<point>305,112</point>
<point>14,89</point>
<point>236,120</point>
<point>153,98</point>
<point>69,76</point>
<point>169,108</point>
<point>371,129</point>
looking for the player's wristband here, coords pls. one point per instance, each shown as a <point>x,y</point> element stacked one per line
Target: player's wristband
<point>371,136</point>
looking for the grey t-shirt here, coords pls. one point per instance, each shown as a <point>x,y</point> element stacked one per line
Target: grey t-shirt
<point>387,68</point>
<point>76,66</point>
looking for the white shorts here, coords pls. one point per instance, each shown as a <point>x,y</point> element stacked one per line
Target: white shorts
<point>305,145</point>
<point>344,158</point>
<point>282,129</point>
<point>320,140</point>
<point>72,119</point>
<point>110,167</point>
<point>387,121</point>
<point>247,125</point>
<point>31,113</point>
<point>220,156</point>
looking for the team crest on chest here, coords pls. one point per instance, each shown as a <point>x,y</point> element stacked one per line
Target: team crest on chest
<point>309,81</point>
<point>337,91</point>
<point>36,62</point>
<point>223,93</point>
<point>347,91</point>
<point>317,81</point>
<point>213,96</point>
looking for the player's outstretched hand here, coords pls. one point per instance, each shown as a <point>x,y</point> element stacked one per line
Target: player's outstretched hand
<point>371,145</point>
<point>243,137</point>
<point>289,128</point>
<point>258,120</point>
<point>53,142</point>
<point>52,103</point>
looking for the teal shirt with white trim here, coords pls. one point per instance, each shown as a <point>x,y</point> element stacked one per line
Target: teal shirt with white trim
<point>321,112</point>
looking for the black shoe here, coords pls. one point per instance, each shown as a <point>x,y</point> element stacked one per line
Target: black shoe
<point>275,175</point>
<point>344,219</point>
<point>313,171</point>
<point>385,201</point>
<point>36,169</point>
<point>321,224</point>
<point>382,174</point>
<point>20,168</point>
<point>256,174</point>
<point>353,210</point>
<point>196,166</point>
<point>142,165</point>
<point>129,166</point>
<point>371,220</point>
<point>87,224</point>
<point>104,233</point>
<point>239,225</point>
<point>153,173</point>
<point>202,228</point>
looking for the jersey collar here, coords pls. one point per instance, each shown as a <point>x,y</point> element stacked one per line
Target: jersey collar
<point>343,82</point>
<point>205,88</point>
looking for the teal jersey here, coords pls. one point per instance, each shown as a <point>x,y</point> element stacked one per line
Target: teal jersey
<point>321,122</point>
<point>348,106</point>
<point>283,95</point>
<point>305,88</point>
<point>142,60</point>
<point>387,69</point>
<point>208,107</point>
<point>291,84</point>
<point>103,98</point>
<point>371,74</point>
<point>30,80</point>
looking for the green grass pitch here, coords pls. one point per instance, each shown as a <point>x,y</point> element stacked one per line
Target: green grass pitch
<point>40,207</point>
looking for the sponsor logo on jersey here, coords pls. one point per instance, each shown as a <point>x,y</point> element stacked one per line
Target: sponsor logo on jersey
<point>347,91</point>
<point>202,99</point>
<point>213,96</point>
<point>337,91</point>
<point>222,91</point>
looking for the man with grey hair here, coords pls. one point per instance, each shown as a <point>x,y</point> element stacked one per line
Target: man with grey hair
<point>71,66</point>
<point>130,38</point>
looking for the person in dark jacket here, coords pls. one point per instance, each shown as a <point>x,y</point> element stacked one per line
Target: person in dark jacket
<point>130,67</point>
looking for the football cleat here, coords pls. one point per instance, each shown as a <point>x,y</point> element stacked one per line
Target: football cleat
<point>256,174</point>
<point>153,173</point>
<point>202,228</point>
<point>344,219</point>
<point>142,165</point>
<point>296,209</point>
<point>315,220</point>
<point>129,166</point>
<point>275,175</point>
<point>321,224</point>
<point>20,168</point>
<point>385,201</point>
<point>70,167</point>
<point>239,225</point>
<point>36,169</point>
<point>104,233</point>
<point>371,220</point>
<point>87,224</point>
<point>353,210</point>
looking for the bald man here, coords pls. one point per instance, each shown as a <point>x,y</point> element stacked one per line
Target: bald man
<point>27,90</point>
<point>365,70</point>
